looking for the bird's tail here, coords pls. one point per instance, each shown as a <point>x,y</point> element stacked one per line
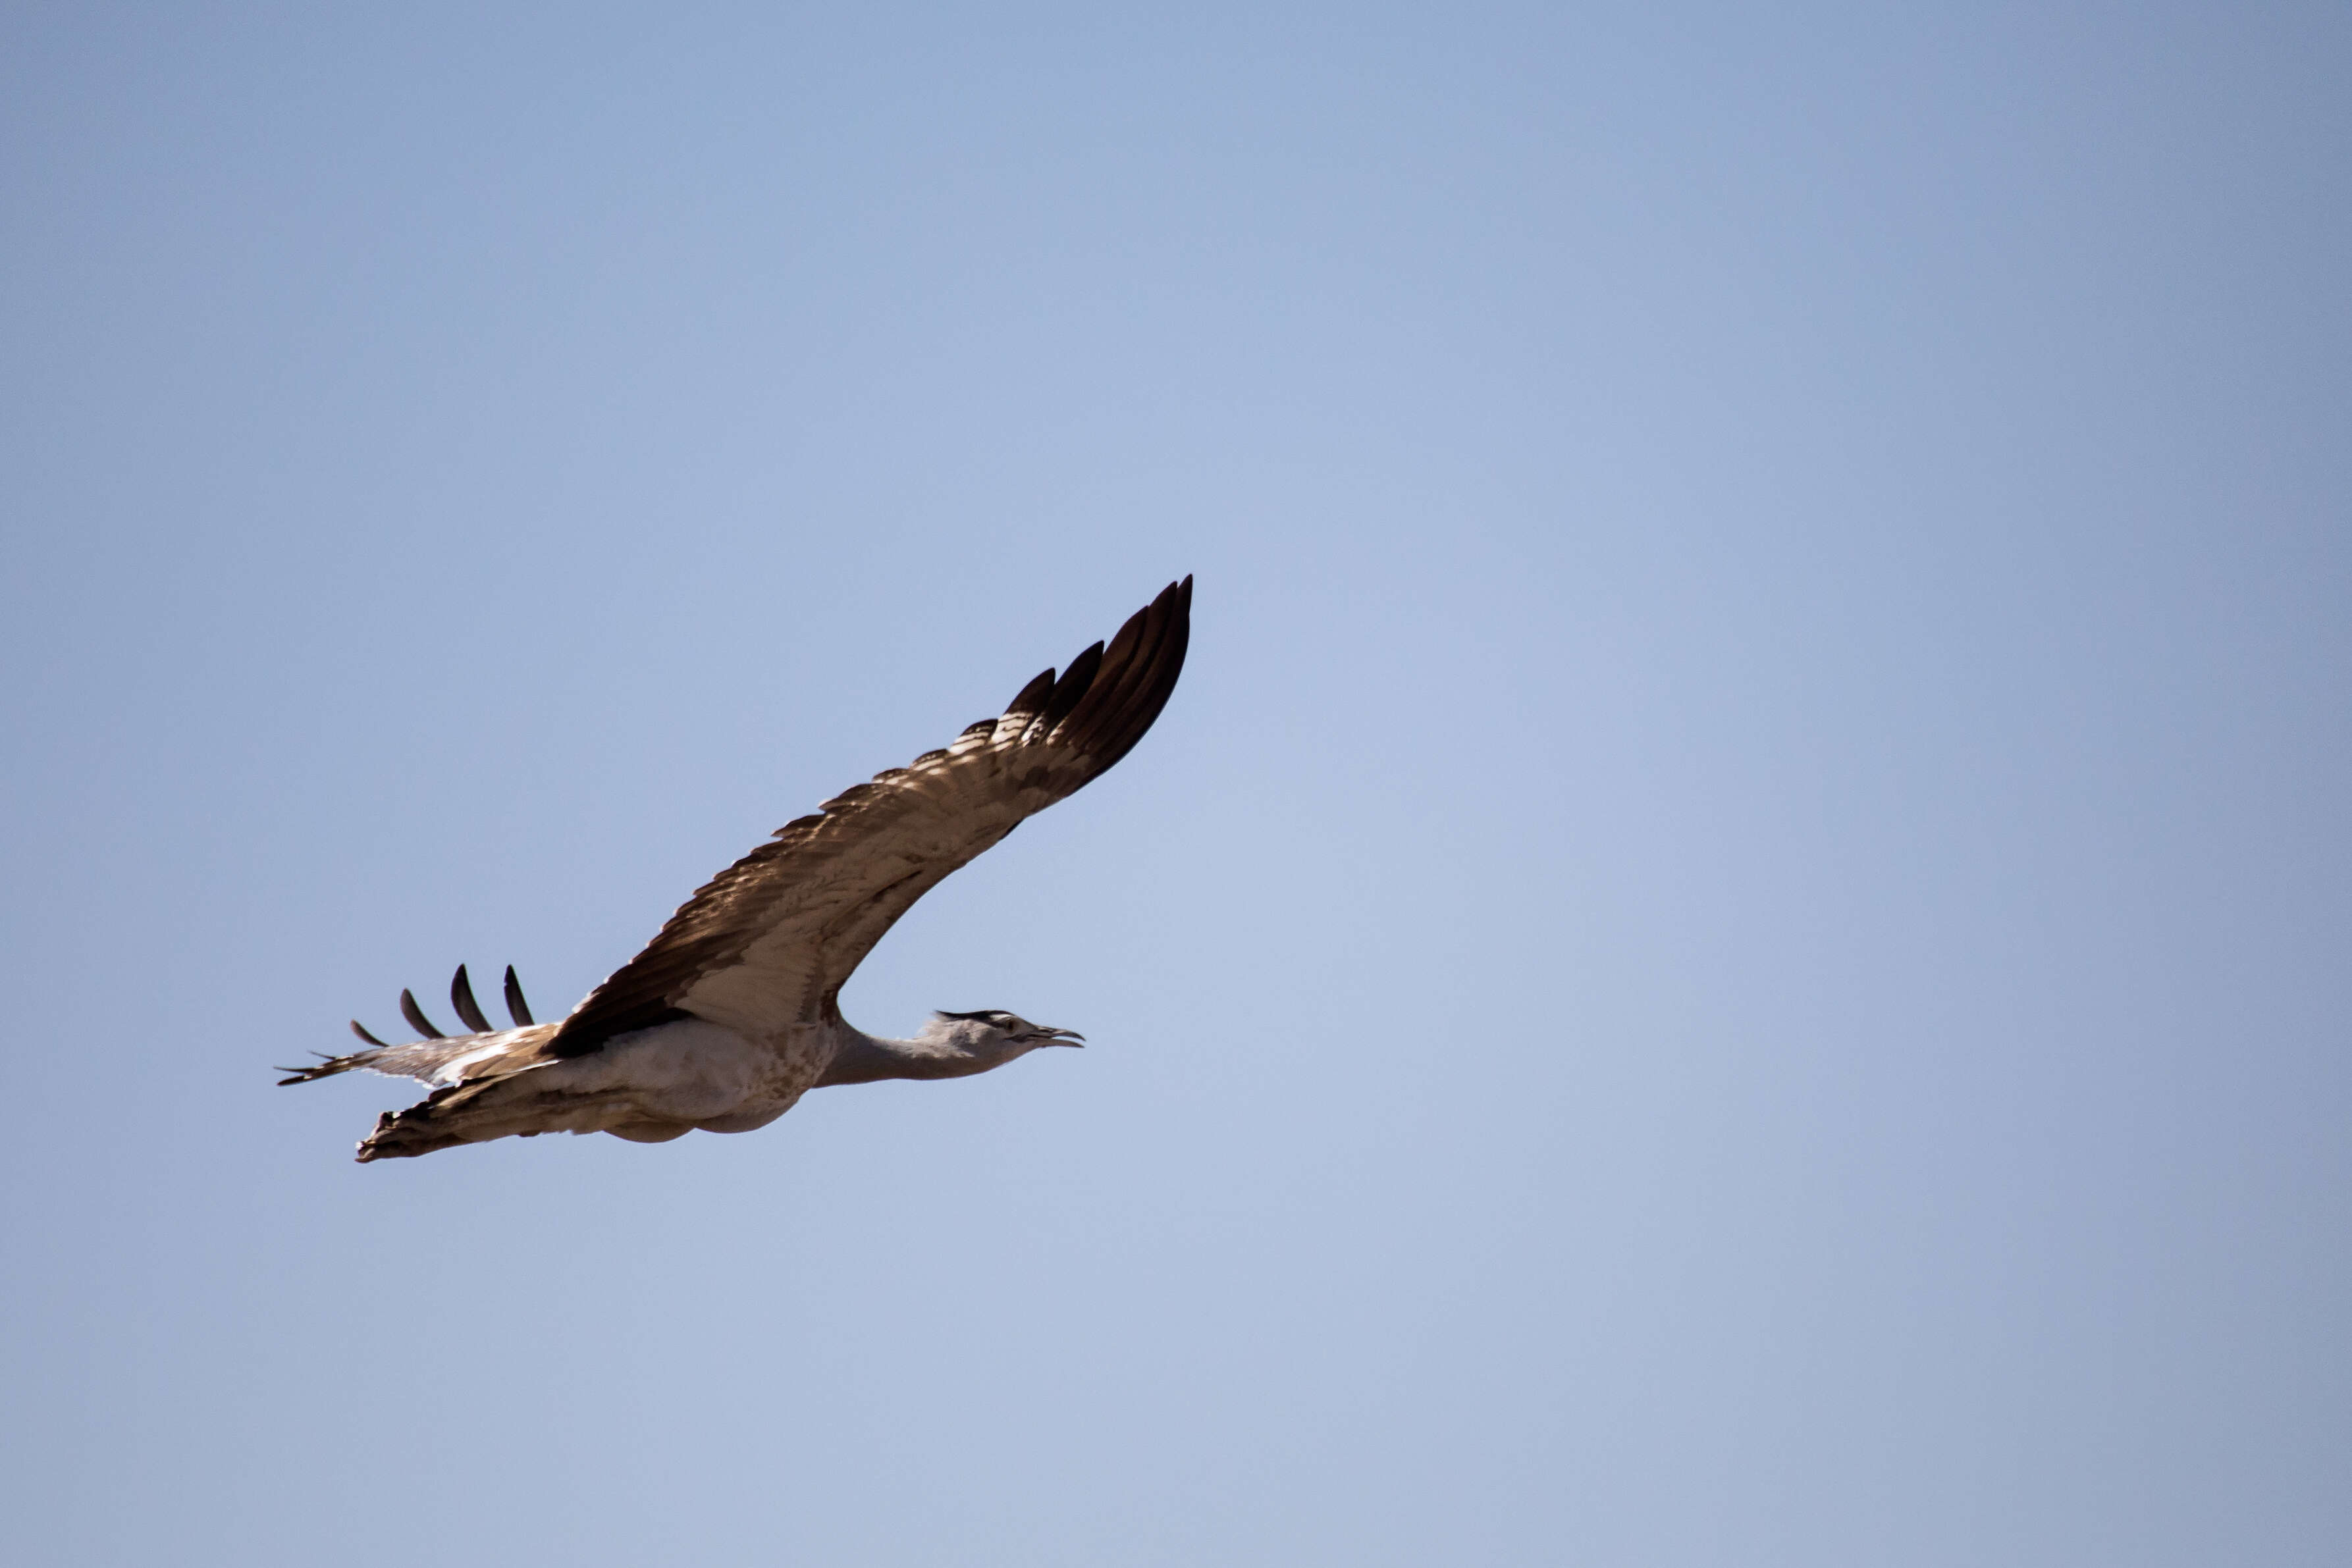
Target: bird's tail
<point>524,1104</point>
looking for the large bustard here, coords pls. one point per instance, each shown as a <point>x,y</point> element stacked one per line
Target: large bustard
<point>730,1015</point>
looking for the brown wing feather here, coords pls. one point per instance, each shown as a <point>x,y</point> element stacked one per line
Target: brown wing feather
<point>768,942</point>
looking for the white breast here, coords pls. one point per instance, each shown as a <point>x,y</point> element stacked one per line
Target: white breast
<point>689,1070</point>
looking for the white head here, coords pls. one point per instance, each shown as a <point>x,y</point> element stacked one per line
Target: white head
<point>993,1037</point>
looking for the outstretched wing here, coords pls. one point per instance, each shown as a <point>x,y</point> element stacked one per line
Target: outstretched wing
<point>769,941</point>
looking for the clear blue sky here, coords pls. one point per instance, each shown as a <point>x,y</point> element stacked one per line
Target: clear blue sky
<point>1733,950</point>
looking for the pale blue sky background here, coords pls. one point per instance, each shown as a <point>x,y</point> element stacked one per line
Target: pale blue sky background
<point>1732,953</point>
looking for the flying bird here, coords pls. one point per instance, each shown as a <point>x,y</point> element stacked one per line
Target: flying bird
<point>731,1013</point>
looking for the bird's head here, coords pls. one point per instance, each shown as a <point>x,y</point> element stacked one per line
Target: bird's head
<point>996,1037</point>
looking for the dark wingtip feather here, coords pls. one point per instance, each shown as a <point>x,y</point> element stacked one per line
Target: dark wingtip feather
<point>372,1040</point>
<point>517,1009</point>
<point>1071,688</point>
<point>1139,675</point>
<point>461,997</point>
<point>416,1019</point>
<point>1032,697</point>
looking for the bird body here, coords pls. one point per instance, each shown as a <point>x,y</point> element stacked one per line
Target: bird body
<point>730,1014</point>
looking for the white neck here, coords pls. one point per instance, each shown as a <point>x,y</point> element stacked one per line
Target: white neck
<point>943,1050</point>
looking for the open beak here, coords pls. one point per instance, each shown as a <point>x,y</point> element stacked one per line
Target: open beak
<point>1058,1036</point>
